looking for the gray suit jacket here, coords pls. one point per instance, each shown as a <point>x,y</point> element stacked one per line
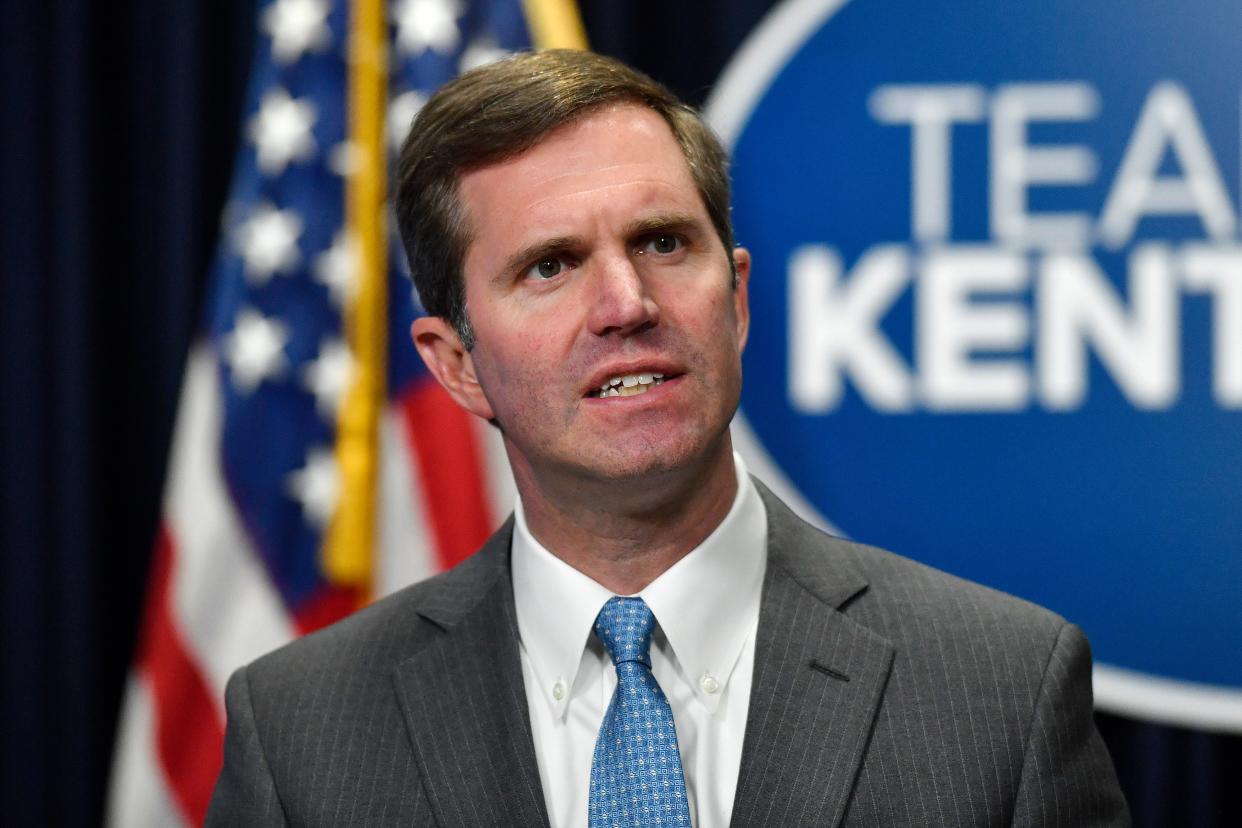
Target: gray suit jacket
<point>885,693</point>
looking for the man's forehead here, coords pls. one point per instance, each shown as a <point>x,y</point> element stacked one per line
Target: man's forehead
<point>613,136</point>
<point>613,154</point>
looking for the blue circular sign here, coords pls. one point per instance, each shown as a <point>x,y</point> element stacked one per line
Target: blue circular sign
<point>997,307</point>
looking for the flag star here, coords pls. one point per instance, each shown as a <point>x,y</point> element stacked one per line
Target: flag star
<point>296,27</point>
<point>317,486</point>
<point>337,267</point>
<point>329,376</point>
<point>401,112</point>
<point>268,242</point>
<point>424,24</point>
<point>281,131</point>
<point>480,52</point>
<point>255,349</point>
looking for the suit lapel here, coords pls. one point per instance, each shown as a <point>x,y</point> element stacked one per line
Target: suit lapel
<point>818,681</point>
<point>464,704</point>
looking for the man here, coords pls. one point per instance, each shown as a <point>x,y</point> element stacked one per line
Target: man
<point>653,638</point>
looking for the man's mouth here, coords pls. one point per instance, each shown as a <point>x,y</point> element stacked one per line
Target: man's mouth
<point>627,385</point>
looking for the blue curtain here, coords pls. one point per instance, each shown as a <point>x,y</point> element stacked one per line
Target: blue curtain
<point>117,130</point>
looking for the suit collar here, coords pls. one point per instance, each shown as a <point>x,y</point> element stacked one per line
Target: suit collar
<point>464,702</point>
<point>818,680</point>
<point>808,556</point>
<point>451,596</point>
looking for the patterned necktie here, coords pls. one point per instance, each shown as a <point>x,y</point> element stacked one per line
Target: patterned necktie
<point>636,777</point>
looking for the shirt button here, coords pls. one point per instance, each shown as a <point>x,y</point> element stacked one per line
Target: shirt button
<point>558,690</point>
<point>709,684</point>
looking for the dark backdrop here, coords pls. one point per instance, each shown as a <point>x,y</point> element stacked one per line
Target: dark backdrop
<point>119,124</point>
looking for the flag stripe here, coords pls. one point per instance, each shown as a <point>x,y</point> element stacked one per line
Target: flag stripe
<point>450,466</point>
<point>183,704</point>
<point>215,557</point>
<point>407,550</point>
<point>139,794</point>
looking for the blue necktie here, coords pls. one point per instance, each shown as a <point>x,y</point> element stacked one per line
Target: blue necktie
<point>636,777</point>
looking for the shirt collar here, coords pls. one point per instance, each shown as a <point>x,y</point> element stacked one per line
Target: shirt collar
<point>707,603</point>
<point>556,608</point>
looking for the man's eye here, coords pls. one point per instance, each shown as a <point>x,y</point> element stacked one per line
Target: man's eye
<point>662,243</point>
<point>546,268</point>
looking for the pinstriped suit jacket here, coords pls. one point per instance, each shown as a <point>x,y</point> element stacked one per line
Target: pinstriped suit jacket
<point>885,693</point>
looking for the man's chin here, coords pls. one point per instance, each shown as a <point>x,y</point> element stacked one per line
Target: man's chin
<point>650,466</point>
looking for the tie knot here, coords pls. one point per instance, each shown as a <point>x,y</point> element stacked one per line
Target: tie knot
<point>625,625</point>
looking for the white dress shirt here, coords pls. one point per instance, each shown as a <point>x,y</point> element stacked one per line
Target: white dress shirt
<point>703,650</point>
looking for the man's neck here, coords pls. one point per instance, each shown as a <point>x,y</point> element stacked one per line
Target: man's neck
<point>626,537</point>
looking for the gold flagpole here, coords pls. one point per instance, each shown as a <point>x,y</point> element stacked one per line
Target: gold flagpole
<point>349,550</point>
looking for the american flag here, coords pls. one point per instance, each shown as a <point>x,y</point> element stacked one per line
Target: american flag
<point>315,463</point>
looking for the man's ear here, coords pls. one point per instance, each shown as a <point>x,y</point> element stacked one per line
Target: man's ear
<point>741,299</point>
<point>450,363</point>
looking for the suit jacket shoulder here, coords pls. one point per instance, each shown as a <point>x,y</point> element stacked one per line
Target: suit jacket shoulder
<point>410,711</point>
<point>393,628</point>
<point>911,696</point>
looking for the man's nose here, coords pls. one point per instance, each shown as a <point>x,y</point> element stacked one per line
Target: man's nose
<point>622,303</point>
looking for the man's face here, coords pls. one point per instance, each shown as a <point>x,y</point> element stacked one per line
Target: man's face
<point>593,258</point>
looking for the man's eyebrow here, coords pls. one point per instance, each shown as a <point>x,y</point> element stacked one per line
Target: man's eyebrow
<point>533,251</point>
<point>663,221</point>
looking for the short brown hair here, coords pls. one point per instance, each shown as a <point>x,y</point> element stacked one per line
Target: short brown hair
<point>498,111</point>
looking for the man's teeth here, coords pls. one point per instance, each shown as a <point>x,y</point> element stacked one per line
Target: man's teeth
<point>629,385</point>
